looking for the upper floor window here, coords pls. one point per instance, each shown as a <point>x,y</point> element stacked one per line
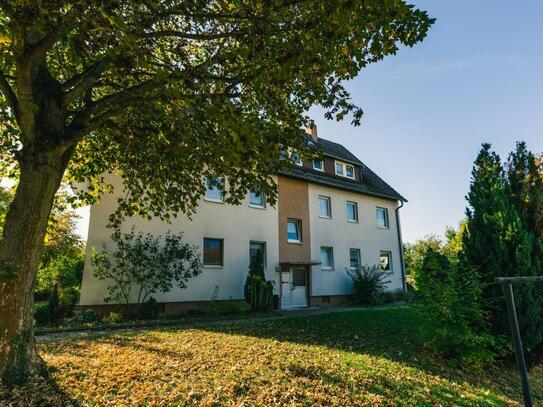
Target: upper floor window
<point>213,252</point>
<point>354,258</point>
<point>325,207</point>
<point>294,230</point>
<point>385,259</point>
<point>327,258</point>
<point>258,248</point>
<point>296,158</point>
<point>352,211</point>
<point>344,170</point>
<point>382,218</point>
<point>318,165</point>
<point>213,192</point>
<point>256,198</point>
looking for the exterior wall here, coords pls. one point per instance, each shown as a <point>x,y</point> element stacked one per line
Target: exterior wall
<point>292,203</point>
<point>342,235</point>
<point>237,225</point>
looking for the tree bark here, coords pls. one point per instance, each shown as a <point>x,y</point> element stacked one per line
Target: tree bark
<point>20,249</point>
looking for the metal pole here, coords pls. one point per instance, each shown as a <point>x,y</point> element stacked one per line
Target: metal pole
<point>517,343</point>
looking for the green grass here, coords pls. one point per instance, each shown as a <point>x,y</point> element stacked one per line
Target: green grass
<point>367,357</point>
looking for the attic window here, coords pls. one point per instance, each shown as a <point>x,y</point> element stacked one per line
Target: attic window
<point>345,170</point>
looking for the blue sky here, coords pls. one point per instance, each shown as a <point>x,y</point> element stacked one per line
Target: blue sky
<point>477,77</point>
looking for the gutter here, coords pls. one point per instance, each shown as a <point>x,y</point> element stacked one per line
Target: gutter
<point>402,264</point>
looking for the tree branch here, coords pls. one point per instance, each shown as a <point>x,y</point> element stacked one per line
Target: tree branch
<point>78,85</point>
<point>9,94</point>
<point>191,36</point>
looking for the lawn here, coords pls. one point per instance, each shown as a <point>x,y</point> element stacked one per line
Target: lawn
<point>349,358</point>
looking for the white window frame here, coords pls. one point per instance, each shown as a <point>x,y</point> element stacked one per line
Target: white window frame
<point>387,221</point>
<point>359,257</point>
<point>259,206</point>
<point>327,198</point>
<point>210,199</point>
<point>322,165</point>
<point>298,228</point>
<point>390,265</point>
<point>331,251</point>
<point>344,166</point>
<point>355,204</point>
<point>297,160</point>
<point>263,248</point>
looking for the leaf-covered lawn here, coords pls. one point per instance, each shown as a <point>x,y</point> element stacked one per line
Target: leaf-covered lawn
<point>351,358</point>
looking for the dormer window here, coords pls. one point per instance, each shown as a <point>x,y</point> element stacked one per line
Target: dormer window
<point>318,165</point>
<point>345,170</point>
<point>296,158</point>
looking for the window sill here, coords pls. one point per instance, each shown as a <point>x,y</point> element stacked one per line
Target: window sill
<point>294,241</point>
<point>383,227</point>
<point>327,269</point>
<point>325,217</point>
<point>318,169</point>
<point>352,221</point>
<point>213,200</point>
<point>256,206</point>
<point>213,266</point>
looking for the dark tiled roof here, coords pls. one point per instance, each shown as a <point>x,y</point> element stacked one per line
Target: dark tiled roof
<point>370,183</point>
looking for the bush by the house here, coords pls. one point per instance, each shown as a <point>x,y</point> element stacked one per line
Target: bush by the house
<point>258,291</point>
<point>369,284</point>
<point>149,309</point>
<point>113,318</point>
<point>143,264</point>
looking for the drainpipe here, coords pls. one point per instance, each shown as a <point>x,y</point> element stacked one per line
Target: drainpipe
<point>402,264</point>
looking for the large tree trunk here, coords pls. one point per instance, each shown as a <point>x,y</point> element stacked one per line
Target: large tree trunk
<point>20,248</point>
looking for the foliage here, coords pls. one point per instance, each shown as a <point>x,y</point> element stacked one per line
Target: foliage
<point>89,316</point>
<point>355,358</point>
<point>369,284</point>
<point>113,318</point>
<point>148,309</point>
<point>143,264</point>
<point>503,238</point>
<point>454,324</point>
<point>257,290</point>
<point>42,313</point>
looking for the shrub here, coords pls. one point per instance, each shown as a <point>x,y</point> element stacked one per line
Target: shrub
<point>149,309</point>
<point>143,264</point>
<point>368,284</point>
<point>113,318</point>
<point>89,316</point>
<point>42,313</point>
<point>258,291</point>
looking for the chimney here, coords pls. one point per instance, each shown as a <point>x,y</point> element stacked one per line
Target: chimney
<point>312,130</point>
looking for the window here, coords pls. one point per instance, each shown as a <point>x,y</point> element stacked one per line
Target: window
<point>257,247</point>
<point>327,258</point>
<point>382,218</point>
<point>345,170</point>
<point>213,193</point>
<point>256,198</point>
<point>325,207</point>
<point>385,259</point>
<point>318,165</point>
<point>213,252</point>
<point>294,230</point>
<point>296,158</point>
<point>352,211</point>
<point>354,258</point>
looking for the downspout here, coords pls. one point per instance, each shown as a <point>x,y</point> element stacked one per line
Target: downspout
<point>402,264</point>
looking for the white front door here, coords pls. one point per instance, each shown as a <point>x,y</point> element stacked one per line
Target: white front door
<point>294,290</point>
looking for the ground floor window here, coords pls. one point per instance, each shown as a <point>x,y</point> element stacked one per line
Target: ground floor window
<point>354,256</point>
<point>258,247</point>
<point>385,259</point>
<point>327,258</point>
<point>213,252</point>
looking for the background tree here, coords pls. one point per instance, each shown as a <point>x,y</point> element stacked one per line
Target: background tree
<point>164,92</point>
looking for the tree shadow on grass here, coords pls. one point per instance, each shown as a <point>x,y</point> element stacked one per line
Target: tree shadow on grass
<point>390,334</point>
<point>38,391</point>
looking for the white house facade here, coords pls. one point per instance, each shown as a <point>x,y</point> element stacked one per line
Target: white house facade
<point>331,215</point>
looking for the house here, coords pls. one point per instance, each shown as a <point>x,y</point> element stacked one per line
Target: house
<point>331,215</point>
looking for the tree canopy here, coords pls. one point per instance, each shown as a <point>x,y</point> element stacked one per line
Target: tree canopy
<point>165,92</point>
